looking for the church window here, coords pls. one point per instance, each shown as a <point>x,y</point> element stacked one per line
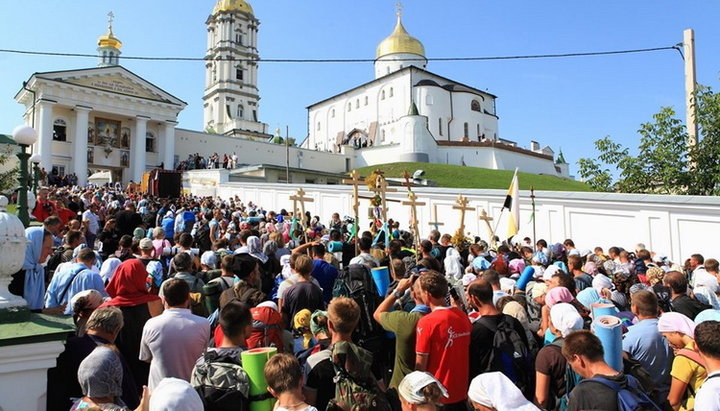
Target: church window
<point>240,111</point>
<point>332,113</point>
<point>391,91</point>
<point>149,142</point>
<point>478,131</point>
<point>238,73</point>
<point>228,111</point>
<point>59,130</point>
<point>357,103</point>
<point>349,106</point>
<point>383,136</point>
<point>366,100</point>
<point>255,116</point>
<point>465,129</point>
<point>214,73</point>
<point>318,126</point>
<point>238,38</point>
<point>382,95</point>
<point>475,106</point>
<point>440,126</point>
<point>388,70</point>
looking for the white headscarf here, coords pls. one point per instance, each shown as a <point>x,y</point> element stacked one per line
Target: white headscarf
<point>565,318</point>
<point>601,281</point>
<point>174,394</point>
<point>108,268</point>
<point>285,263</point>
<point>495,390</point>
<point>453,264</point>
<point>411,387</point>
<point>255,248</point>
<point>507,285</point>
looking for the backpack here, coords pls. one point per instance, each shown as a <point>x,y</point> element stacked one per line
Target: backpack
<point>197,302</point>
<point>356,282</point>
<point>355,387</point>
<point>266,330</point>
<point>202,238</point>
<point>572,379</point>
<point>510,355</point>
<point>222,383</point>
<point>630,397</point>
<point>54,261</point>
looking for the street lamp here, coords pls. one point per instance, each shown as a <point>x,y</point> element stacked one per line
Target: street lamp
<point>25,136</point>
<point>35,160</point>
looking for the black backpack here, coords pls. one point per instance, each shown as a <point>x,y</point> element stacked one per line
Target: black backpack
<point>54,261</point>
<point>222,383</point>
<point>510,355</point>
<point>202,238</point>
<point>356,282</point>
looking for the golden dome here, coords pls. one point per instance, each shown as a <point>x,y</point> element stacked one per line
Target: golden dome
<point>232,5</point>
<point>400,42</point>
<point>109,40</point>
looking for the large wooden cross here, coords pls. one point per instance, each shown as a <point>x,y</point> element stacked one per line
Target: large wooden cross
<point>435,223</point>
<point>356,183</point>
<point>484,217</point>
<point>462,203</point>
<point>299,197</point>
<point>381,188</point>
<point>413,203</point>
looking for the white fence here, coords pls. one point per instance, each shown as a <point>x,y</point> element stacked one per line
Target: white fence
<point>676,226</point>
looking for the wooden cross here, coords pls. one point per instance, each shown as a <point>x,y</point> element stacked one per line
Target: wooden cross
<point>356,183</point>
<point>381,188</point>
<point>407,182</point>
<point>484,216</point>
<point>435,223</point>
<point>462,203</point>
<point>413,203</point>
<point>300,197</point>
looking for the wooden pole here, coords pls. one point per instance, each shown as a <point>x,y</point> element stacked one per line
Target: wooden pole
<point>690,86</point>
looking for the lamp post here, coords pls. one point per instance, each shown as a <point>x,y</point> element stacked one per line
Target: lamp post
<point>25,136</point>
<point>35,160</point>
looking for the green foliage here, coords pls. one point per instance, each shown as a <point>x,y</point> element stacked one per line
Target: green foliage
<point>452,176</point>
<point>664,163</point>
<point>8,179</point>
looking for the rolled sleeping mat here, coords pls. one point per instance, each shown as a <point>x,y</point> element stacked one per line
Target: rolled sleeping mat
<point>253,362</point>
<point>381,276</point>
<point>599,309</point>
<point>212,292</point>
<point>608,329</point>
<point>525,277</point>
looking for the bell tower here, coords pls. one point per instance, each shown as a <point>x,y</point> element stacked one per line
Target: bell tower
<point>231,98</point>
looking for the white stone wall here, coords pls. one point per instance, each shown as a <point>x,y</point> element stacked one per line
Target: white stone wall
<point>677,226</point>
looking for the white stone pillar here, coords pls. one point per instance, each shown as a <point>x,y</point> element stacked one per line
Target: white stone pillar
<point>137,160</point>
<point>169,149</point>
<point>80,144</point>
<point>45,133</point>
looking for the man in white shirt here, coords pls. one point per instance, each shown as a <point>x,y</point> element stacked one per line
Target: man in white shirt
<point>364,257</point>
<point>91,223</point>
<point>708,345</point>
<point>173,341</point>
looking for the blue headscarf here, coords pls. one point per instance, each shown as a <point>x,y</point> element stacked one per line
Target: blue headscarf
<point>34,291</point>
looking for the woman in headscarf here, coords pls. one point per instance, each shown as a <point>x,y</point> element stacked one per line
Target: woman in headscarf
<point>129,291</point>
<point>267,277</point>
<point>550,365</point>
<point>273,263</point>
<point>29,282</point>
<point>108,268</point>
<point>688,372</point>
<point>420,390</point>
<point>654,277</point>
<point>453,265</point>
<point>100,376</point>
<point>493,391</point>
<point>174,394</point>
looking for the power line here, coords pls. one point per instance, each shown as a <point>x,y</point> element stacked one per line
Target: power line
<point>363,60</point>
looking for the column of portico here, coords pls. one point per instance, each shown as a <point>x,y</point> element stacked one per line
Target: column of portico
<point>169,146</point>
<point>137,158</point>
<point>45,133</point>
<point>80,144</point>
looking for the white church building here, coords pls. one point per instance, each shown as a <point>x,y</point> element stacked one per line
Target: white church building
<point>107,118</point>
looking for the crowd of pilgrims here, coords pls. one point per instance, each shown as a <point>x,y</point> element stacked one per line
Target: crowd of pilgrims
<point>163,290</point>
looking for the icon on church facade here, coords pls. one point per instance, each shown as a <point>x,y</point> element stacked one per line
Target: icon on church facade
<point>91,133</point>
<point>91,155</point>
<point>107,131</point>
<point>125,158</point>
<point>125,137</point>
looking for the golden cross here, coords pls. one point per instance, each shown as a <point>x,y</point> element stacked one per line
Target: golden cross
<point>111,17</point>
<point>398,9</point>
<point>462,203</point>
<point>435,223</point>
<point>484,216</point>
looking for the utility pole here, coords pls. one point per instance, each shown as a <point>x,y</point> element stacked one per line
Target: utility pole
<point>690,87</point>
<point>287,154</point>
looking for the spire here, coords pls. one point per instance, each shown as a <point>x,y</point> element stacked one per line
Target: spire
<point>413,110</point>
<point>109,45</point>
<point>560,158</point>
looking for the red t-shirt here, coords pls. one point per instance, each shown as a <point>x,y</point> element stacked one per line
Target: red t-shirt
<point>444,335</point>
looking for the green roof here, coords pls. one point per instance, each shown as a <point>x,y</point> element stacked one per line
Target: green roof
<point>6,139</point>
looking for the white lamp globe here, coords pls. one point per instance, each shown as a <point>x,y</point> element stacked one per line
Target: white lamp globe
<point>35,158</point>
<point>24,135</point>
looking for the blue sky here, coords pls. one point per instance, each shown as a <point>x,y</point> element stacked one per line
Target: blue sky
<point>565,103</point>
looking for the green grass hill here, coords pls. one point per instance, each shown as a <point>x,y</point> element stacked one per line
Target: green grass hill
<point>452,176</point>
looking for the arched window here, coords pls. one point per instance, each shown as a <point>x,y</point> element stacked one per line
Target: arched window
<point>149,142</point>
<point>239,73</point>
<point>238,38</point>
<point>391,91</point>
<point>357,103</point>
<point>349,106</point>
<point>478,131</point>
<point>240,111</point>
<point>366,100</point>
<point>440,126</point>
<point>382,95</point>
<point>332,113</point>
<point>465,129</point>
<point>59,130</point>
<point>475,106</point>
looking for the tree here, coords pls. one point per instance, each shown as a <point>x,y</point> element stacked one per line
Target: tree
<point>8,179</point>
<point>664,163</point>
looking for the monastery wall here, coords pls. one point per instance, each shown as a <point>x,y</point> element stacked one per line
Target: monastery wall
<point>676,226</point>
